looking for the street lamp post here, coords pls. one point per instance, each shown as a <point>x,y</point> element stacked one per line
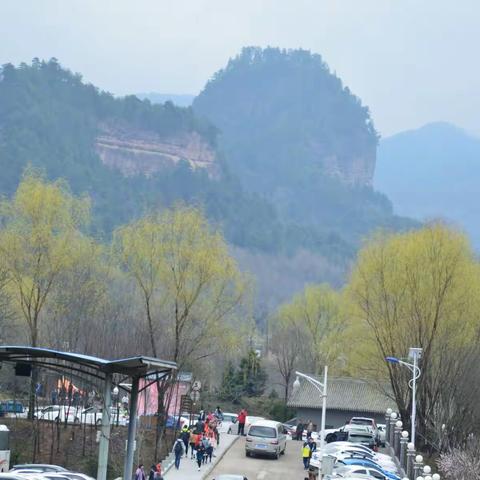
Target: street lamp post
<point>322,388</point>
<point>414,354</point>
<point>115,396</point>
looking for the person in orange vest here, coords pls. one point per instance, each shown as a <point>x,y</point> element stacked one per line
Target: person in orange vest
<point>193,443</point>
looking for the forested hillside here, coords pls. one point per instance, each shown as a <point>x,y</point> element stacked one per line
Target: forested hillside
<point>287,215</point>
<point>51,119</point>
<point>295,134</point>
<point>433,172</point>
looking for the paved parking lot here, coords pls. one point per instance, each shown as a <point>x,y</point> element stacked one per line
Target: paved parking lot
<point>288,466</point>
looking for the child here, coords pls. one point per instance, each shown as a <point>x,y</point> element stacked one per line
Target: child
<point>306,455</point>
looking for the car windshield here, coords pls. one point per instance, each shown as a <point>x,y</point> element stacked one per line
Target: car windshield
<point>360,438</point>
<point>264,432</point>
<point>361,421</point>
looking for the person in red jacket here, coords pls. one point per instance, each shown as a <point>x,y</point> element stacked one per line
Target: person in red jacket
<point>242,417</point>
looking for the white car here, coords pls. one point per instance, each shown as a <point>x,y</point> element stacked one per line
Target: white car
<point>93,416</point>
<point>56,413</point>
<point>248,421</point>
<point>348,471</point>
<point>228,423</point>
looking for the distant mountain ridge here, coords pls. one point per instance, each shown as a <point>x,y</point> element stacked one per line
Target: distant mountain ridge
<point>433,172</point>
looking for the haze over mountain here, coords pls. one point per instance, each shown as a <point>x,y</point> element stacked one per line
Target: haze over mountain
<point>276,150</point>
<point>181,100</point>
<point>433,172</point>
<point>295,134</point>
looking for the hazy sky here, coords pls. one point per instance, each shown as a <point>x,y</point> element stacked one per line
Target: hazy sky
<point>411,61</point>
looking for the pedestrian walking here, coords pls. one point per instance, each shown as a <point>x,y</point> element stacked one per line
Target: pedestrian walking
<point>200,452</point>
<point>178,451</point>
<point>218,413</point>
<point>306,452</point>
<point>216,433</point>
<point>185,436</point>
<point>159,471</point>
<point>193,442</point>
<point>313,448</point>
<point>242,417</point>
<point>151,474</point>
<point>299,430</point>
<point>140,473</point>
<point>309,429</point>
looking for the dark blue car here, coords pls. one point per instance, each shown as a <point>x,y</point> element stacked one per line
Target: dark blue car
<point>364,462</point>
<point>11,406</point>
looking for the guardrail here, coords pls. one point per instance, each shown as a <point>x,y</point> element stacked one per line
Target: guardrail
<point>410,461</point>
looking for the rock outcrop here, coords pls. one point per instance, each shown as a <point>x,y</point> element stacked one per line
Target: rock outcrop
<point>139,152</point>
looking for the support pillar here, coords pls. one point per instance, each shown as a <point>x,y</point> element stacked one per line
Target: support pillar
<point>418,466</point>
<point>410,460</point>
<point>396,438</point>
<point>393,421</point>
<point>105,429</point>
<point>387,425</point>
<point>403,450</point>
<point>132,431</point>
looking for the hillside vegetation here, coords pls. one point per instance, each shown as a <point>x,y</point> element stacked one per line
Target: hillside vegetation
<point>296,135</point>
<point>287,215</point>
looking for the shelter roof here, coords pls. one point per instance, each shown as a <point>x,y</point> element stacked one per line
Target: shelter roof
<point>134,366</point>
<point>347,394</point>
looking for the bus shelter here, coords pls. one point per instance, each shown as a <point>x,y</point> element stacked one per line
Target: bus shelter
<point>133,369</point>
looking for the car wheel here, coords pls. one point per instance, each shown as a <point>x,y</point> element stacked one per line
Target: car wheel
<point>98,422</point>
<point>76,421</point>
<point>57,420</point>
<point>247,454</point>
<point>229,431</point>
<point>283,451</point>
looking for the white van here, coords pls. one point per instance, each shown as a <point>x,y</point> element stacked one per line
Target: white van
<point>265,437</point>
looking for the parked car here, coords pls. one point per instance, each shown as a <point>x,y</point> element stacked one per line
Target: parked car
<point>93,416</point>
<point>11,408</point>
<point>42,467</point>
<point>371,465</point>
<point>248,421</point>
<point>228,423</point>
<point>363,438</point>
<point>370,422</point>
<point>54,476</point>
<point>14,476</point>
<point>289,430</point>
<point>265,437</point>
<point>77,476</point>
<point>56,413</point>
<point>355,471</point>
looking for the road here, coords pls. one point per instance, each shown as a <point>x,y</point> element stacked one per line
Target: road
<point>288,466</point>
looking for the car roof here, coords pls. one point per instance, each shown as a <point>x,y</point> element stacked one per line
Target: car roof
<point>34,466</point>
<point>265,423</point>
<point>12,475</point>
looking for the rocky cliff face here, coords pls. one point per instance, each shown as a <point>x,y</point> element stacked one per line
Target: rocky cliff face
<point>357,171</point>
<point>139,152</point>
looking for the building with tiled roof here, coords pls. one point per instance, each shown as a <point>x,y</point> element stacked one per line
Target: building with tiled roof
<point>346,398</point>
